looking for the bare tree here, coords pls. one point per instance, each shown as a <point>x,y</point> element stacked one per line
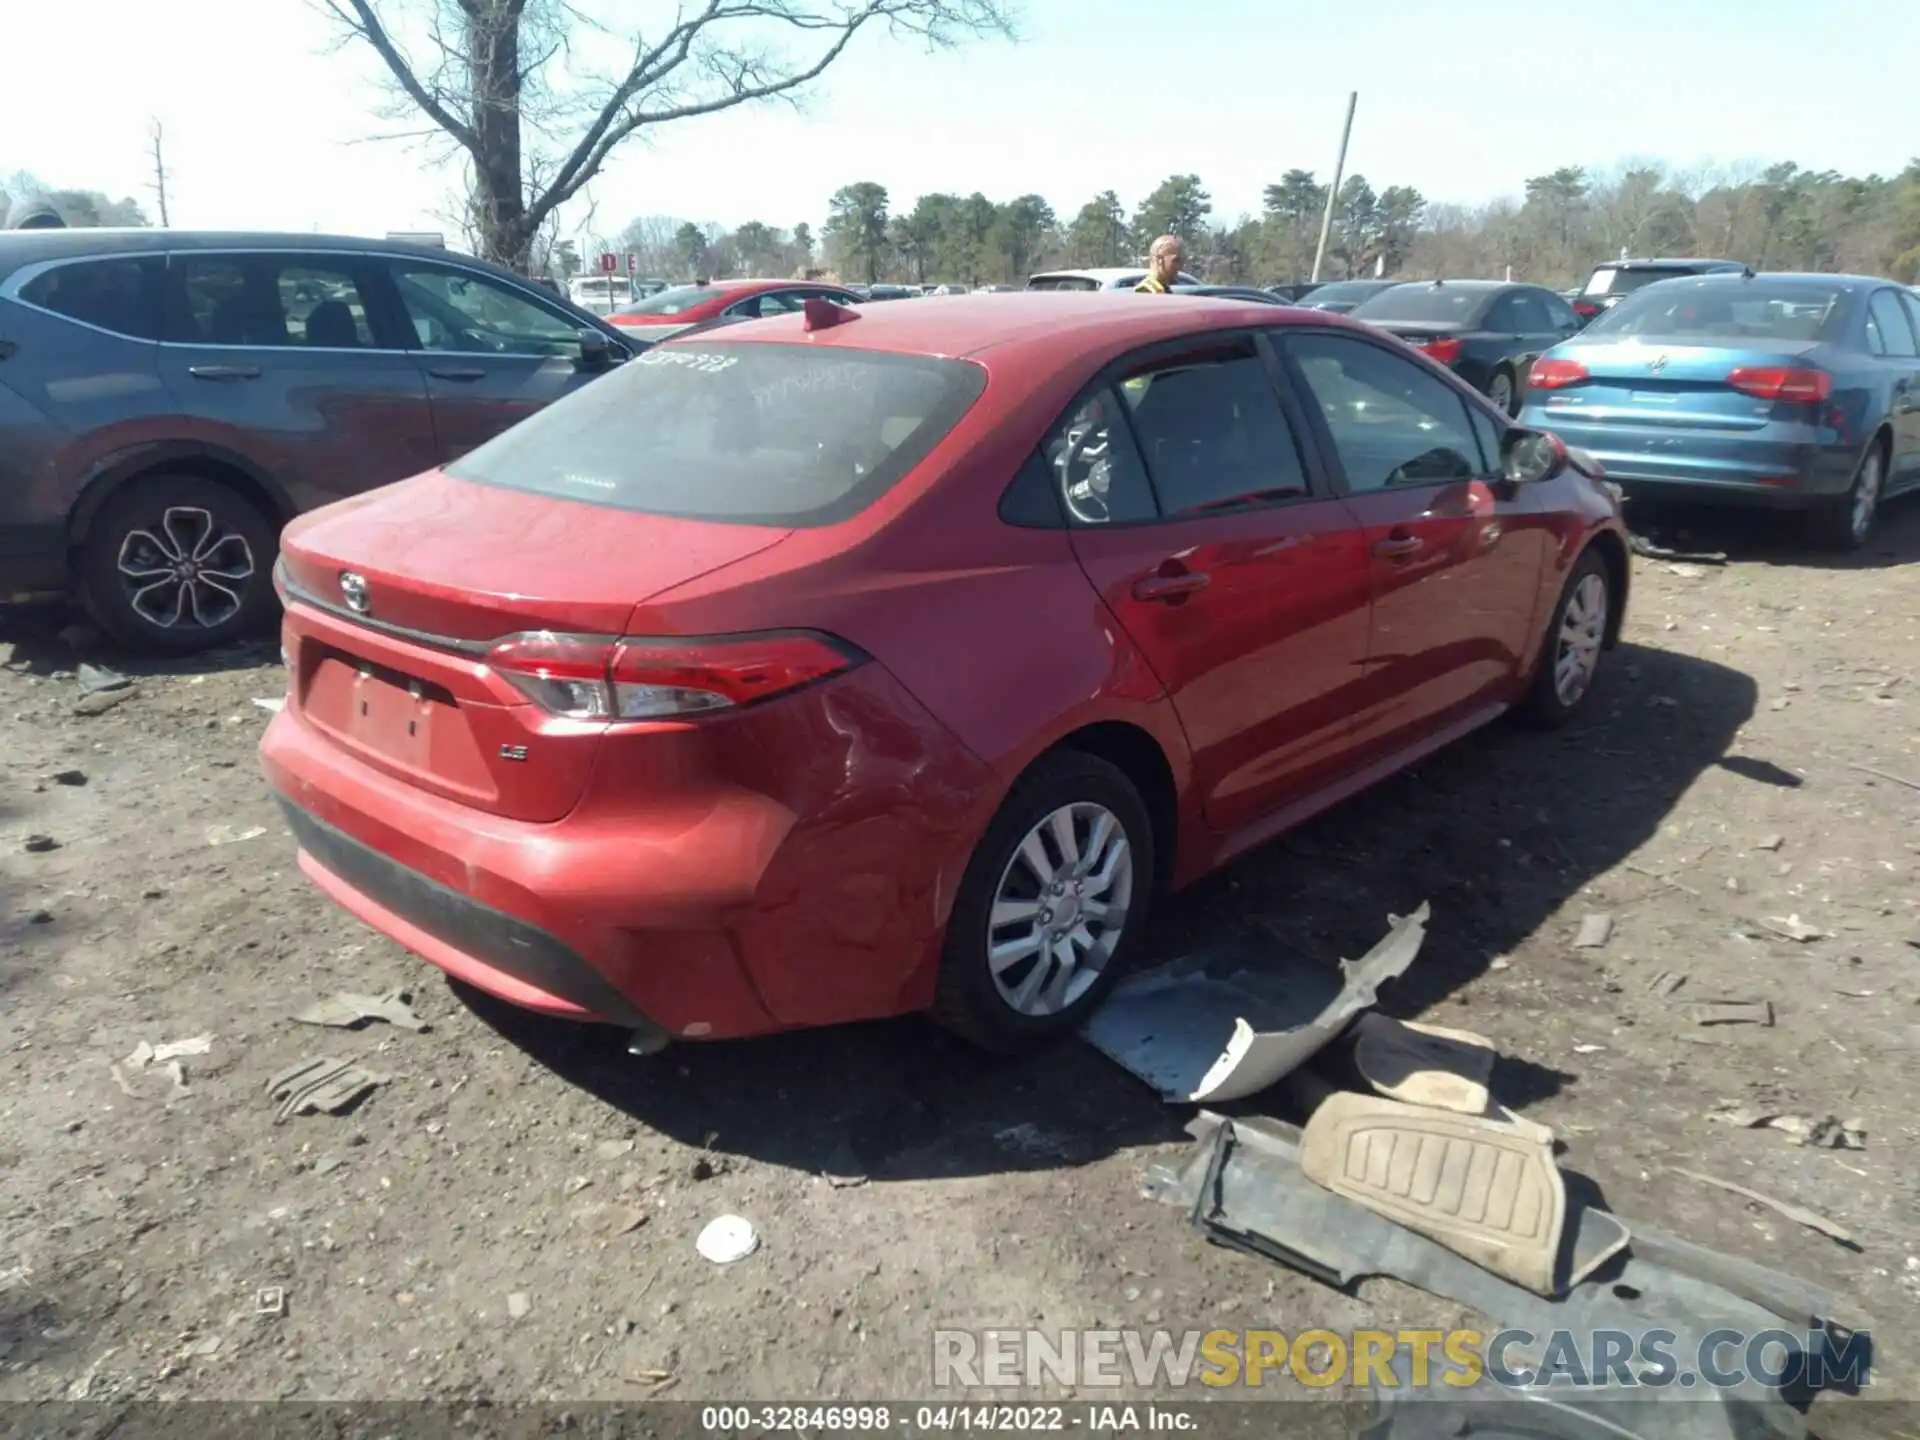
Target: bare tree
<point>159,177</point>
<point>502,80</point>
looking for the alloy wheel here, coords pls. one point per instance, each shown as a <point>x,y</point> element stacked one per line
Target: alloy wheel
<point>191,571</point>
<point>1583,630</point>
<point>1866,495</point>
<point>1060,909</point>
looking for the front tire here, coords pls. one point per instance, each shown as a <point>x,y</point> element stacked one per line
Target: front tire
<point>1570,652</point>
<point>1052,908</point>
<point>1847,523</point>
<point>176,564</point>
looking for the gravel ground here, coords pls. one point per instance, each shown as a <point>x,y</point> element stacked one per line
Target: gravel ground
<point>513,1213</point>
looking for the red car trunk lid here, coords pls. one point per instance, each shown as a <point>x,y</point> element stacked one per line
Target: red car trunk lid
<point>442,568</point>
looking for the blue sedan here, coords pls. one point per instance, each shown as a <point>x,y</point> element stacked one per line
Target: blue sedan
<point>1793,391</point>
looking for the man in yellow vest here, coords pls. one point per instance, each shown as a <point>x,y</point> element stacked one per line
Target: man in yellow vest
<point>1163,267</point>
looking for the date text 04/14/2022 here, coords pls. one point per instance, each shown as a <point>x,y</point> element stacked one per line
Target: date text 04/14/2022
<point>882,1419</point>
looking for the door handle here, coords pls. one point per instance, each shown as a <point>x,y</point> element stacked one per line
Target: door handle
<point>224,372</point>
<point>1176,586</point>
<point>458,372</point>
<point>1398,547</point>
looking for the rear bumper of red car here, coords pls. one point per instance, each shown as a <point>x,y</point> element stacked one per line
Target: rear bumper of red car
<point>817,899</point>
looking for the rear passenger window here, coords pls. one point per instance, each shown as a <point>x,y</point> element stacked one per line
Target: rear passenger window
<point>1885,316</point>
<point>1212,430</point>
<point>1096,467</point>
<point>119,295</point>
<point>265,300</point>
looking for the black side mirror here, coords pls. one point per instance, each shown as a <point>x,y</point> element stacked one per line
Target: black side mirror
<point>1530,456</point>
<point>596,351</point>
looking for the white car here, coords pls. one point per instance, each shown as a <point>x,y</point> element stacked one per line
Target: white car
<point>1123,277</point>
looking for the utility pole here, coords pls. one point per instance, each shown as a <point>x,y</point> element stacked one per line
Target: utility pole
<point>1333,190</point>
<point>160,177</point>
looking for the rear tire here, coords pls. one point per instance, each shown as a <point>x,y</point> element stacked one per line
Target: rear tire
<point>1570,650</point>
<point>176,564</point>
<point>1093,903</point>
<point>1847,522</point>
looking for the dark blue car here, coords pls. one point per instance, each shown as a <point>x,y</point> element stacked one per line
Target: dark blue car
<point>1792,391</point>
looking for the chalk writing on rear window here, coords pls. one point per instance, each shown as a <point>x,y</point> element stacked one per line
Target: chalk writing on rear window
<point>701,362</point>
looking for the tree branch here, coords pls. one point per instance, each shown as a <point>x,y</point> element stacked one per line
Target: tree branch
<point>366,23</point>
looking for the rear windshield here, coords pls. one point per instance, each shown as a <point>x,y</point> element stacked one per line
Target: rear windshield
<point>1353,291</point>
<point>669,302</point>
<point>1422,302</point>
<point>755,434</point>
<point>1714,310</point>
<point>1611,280</point>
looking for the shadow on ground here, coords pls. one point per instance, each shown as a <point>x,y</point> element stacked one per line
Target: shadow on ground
<point>1771,538</point>
<point>1497,833</point>
<point>54,640</point>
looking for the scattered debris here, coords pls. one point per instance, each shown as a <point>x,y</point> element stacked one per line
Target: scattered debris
<point>1595,931</point>
<point>98,701</point>
<point>1794,928</point>
<point>1796,1213</point>
<point>1666,982</point>
<point>1424,1064</point>
<point>322,1084</point>
<point>1477,1186</point>
<point>519,1305</point>
<point>276,704</point>
<point>69,777</point>
<point>1652,551</point>
<point>270,1300</point>
<point>726,1239</point>
<point>346,1010</point>
<point>1500,962</point>
<point>98,679</point>
<point>613,1149</point>
<point>1686,572</point>
<point>40,844</point>
<point>620,1220</point>
<point>1588,1049</point>
<point>1224,1024</point>
<point>1883,775</point>
<point>206,1345</point>
<point>1731,1012</point>
<point>1832,1133</point>
<point>174,1050</point>
<point>1771,842</point>
<point>232,835</point>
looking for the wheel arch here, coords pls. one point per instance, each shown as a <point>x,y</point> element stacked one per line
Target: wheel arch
<point>1612,551</point>
<point>1136,754</point>
<point>216,464</point>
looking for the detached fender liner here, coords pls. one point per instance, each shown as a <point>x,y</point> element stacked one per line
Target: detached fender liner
<point>507,944</point>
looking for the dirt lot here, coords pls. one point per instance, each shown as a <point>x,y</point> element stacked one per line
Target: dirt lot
<point>463,1232</point>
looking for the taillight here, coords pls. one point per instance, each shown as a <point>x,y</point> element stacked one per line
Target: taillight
<point>1446,349</point>
<point>1585,309</point>
<point>593,677</point>
<point>1780,382</point>
<point>1556,374</point>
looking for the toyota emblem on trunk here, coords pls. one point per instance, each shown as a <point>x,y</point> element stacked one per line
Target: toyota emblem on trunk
<point>1657,364</point>
<point>353,589</point>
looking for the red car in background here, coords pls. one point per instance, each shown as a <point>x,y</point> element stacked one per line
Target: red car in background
<point>684,306</point>
<point>868,661</point>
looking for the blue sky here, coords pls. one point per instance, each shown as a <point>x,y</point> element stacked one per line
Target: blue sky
<point>267,129</point>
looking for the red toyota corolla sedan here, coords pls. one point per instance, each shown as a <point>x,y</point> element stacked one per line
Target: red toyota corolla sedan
<point>859,662</point>
<point>663,315</point>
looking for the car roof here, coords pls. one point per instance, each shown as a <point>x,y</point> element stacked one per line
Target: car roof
<point>1731,279</point>
<point>1047,321</point>
<point>1668,262</point>
<point>1102,273</point>
<point>30,247</point>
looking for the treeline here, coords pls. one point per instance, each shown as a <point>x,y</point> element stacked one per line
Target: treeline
<point>79,208</point>
<point>1778,217</point>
